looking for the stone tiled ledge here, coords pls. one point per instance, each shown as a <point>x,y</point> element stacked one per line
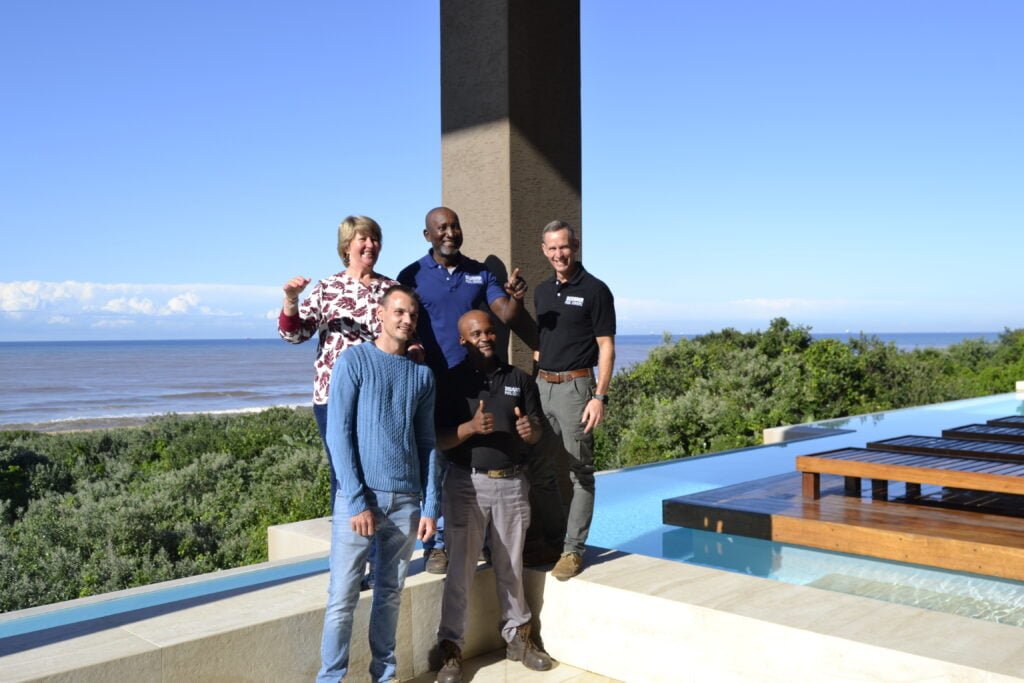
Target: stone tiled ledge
<point>629,617</point>
<point>268,633</point>
<point>637,618</point>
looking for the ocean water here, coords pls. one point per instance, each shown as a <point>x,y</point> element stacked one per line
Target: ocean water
<point>82,385</point>
<point>54,386</point>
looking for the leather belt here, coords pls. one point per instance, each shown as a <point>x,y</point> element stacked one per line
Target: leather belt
<point>493,474</point>
<point>568,375</point>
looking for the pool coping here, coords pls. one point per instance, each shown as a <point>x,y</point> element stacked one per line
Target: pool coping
<point>628,617</point>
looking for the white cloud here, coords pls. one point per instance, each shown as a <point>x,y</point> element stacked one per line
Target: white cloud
<point>71,297</point>
<point>97,310</point>
<point>272,314</point>
<point>180,304</point>
<point>30,295</point>
<point>129,305</point>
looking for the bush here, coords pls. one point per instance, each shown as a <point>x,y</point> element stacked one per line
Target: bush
<point>90,512</point>
<point>93,512</point>
<point>721,390</point>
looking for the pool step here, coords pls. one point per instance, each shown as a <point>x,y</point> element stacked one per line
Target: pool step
<point>991,608</point>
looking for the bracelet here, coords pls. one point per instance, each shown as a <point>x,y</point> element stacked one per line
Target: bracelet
<point>603,398</point>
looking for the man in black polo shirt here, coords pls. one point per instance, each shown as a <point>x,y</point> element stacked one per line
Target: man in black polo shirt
<point>576,321</point>
<point>487,413</point>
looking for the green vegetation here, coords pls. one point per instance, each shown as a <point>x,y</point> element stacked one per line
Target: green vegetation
<point>89,512</point>
<point>719,391</point>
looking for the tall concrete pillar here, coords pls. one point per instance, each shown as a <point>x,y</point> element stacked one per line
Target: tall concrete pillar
<point>510,120</point>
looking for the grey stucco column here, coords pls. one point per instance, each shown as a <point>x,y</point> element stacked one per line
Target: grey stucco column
<point>510,120</point>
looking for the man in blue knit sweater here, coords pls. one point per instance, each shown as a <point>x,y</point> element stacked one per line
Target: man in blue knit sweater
<point>380,434</point>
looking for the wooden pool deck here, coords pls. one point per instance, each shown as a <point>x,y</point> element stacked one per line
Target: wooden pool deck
<point>953,528</point>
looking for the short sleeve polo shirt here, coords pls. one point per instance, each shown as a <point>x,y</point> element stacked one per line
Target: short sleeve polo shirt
<point>570,317</point>
<point>445,297</point>
<point>459,394</point>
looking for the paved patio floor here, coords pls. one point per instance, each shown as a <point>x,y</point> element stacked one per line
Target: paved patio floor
<point>494,668</point>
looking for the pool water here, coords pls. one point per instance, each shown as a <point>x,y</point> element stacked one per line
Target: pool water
<point>628,518</point>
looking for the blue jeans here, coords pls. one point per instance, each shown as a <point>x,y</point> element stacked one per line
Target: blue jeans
<point>320,414</point>
<point>437,540</point>
<point>397,516</point>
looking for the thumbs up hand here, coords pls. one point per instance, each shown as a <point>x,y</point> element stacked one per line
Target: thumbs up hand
<point>482,423</point>
<point>525,427</point>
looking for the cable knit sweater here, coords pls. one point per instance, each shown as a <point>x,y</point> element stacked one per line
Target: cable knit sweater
<point>380,427</point>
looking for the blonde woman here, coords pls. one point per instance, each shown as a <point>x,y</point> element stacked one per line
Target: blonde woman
<point>340,311</point>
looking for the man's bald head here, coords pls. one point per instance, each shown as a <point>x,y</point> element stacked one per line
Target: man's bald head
<point>444,233</point>
<point>441,213</point>
<point>477,335</point>
<point>472,319</point>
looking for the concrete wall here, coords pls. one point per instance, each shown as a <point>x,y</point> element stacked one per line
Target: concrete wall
<point>510,120</point>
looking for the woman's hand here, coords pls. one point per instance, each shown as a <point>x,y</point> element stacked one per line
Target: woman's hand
<point>292,289</point>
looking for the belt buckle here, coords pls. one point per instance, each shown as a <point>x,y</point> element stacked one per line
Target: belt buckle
<point>503,474</point>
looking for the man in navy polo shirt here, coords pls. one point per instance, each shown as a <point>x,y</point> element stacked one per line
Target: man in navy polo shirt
<point>576,326</point>
<point>450,284</point>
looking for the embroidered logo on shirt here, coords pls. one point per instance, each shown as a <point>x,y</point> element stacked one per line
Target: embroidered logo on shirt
<point>474,279</point>
<point>512,391</point>
<point>574,301</point>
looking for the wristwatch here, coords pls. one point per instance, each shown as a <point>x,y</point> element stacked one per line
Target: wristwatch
<point>603,398</point>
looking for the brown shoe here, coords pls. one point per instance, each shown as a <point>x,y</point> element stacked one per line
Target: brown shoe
<point>568,566</point>
<point>451,663</point>
<point>437,561</point>
<point>522,649</point>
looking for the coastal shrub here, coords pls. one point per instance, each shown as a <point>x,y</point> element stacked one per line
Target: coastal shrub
<point>720,390</point>
<point>91,512</point>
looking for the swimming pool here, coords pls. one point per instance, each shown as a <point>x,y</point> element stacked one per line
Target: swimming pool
<point>628,518</point>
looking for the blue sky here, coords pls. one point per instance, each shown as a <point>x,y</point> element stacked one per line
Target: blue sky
<point>164,167</point>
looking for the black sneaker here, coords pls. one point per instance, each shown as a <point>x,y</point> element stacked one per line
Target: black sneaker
<point>437,561</point>
<point>451,663</point>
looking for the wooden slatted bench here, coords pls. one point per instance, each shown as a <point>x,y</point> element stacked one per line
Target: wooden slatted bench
<point>1008,421</point>
<point>957,448</point>
<point>882,467</point>
<point>982,432</point>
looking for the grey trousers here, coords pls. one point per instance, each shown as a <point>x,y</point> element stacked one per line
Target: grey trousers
<point>547,491</point>
<point>563,406</point>
<point>476,506</point>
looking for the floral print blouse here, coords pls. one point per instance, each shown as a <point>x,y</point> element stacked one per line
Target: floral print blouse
<point>341,311</point>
